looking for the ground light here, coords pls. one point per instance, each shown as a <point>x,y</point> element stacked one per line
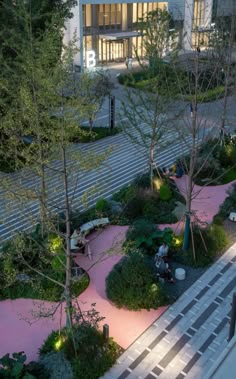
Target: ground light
<point>157,183</point>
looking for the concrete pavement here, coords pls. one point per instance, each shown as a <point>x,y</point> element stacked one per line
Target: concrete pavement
<point>187,339</point>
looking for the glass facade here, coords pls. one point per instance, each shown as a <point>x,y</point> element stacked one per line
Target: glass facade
<point>200,35</point>
<point>102,19</point>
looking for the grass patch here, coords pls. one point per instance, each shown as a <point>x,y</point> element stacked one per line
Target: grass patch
<point>208,96</point>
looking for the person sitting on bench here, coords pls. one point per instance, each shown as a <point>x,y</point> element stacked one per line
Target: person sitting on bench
<point>163,270</point>
<point>80,243</point>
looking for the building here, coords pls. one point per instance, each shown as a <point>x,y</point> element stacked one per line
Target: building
<point>107,32</point>
<point>200,17</point>
<point>106,29</point>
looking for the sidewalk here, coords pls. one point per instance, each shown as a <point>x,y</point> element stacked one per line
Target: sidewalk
<point>185,341</point>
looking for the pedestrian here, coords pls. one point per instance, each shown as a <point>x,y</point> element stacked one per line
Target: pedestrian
<point>126,62</point>
<point>179,171</point>
<point>191,109</point>
<point>82,241</point>
<point>91,123</point>
<point>163,251</point>
<point>130,63</point>
<point>198,50</point>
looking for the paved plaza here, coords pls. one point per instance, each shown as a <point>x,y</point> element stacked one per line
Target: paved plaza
<point>187,339</point>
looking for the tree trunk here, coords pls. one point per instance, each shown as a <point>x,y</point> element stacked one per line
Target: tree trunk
<point>151,160</point>
<point>67,292</point>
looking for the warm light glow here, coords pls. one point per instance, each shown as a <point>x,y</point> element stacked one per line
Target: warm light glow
<point>178,241</point>
<point>157,183</point>
<point>59,343</point>
<point>55,244</point>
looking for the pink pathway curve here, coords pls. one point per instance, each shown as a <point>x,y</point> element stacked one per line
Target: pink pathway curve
<point>125,326</point>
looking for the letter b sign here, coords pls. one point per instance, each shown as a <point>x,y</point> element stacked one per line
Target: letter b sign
<point>90,59</point>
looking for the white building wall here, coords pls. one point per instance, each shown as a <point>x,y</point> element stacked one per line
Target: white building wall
<point>188,24</point>
<point>74,29</point>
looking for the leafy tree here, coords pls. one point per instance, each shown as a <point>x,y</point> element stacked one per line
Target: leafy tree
<point>38,93</point>
<point>159,38</point>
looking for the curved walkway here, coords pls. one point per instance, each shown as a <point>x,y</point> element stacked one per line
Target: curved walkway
<point>16,334</point>
<point>186,340</point>
<point>125,326</point>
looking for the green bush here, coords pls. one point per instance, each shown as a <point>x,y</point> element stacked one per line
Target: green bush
<point>210,95</point>
<point>165,192</point>
<point>93,357</point>
<point>83,134</point>
<point>227,155</point>
<point>131,284</point>
<point>125,194</point>
<point>16,367</point>
<point>95,368</point>
<point>134,208</point>
<point>215,240</point>
<point>160,212</point>
<point>47,255</point>
<point>102,206</point>
<point>57,365</point>
<point>140,227</point>
<point>147,236</point>
<point>142,180</point>
<point>229,204</point>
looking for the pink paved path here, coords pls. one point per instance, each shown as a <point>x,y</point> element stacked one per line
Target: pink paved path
<point>125,326</point>
<point>208,200</point>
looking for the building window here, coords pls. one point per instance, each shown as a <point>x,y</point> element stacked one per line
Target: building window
<point>87,16</point>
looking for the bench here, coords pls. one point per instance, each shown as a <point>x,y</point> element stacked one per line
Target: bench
<point>85,229</point>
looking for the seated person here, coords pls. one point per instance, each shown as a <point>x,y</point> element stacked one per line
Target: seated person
<point>179,171</point>
<point>79,242</point>
<point>163,270</point>
<point>163,251</point>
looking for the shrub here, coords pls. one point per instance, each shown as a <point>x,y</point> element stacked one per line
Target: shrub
<point>227,155</point>
<point>210,95</point>
<point>134,208</point>
<point>165,192</point>
<point>229,204</point>
<point>218,220</point>
<point>215,240</point>
<point>142,180</point>
<point>93,357</point>
<point>131,284</point>
<point>125,194</point>
<point>57,365</point>
<point>140,227</point>
<point>15,367</point>
<point>102,206</point>
<point>147,236</point>
<point>160,212</point>
<point>17,280</point>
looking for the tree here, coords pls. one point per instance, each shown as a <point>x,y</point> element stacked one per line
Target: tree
<point>38,92</point>
<point>149,114</point>
<point>14,34</point>
<point>204,74</point>
<point>158,38</point>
